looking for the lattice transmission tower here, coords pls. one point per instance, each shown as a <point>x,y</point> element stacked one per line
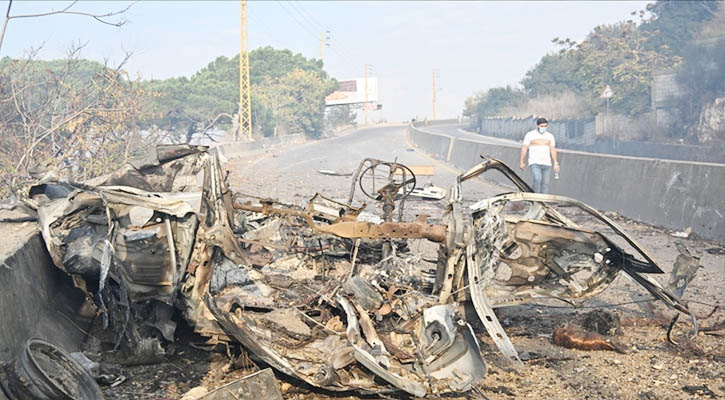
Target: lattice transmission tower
<point>245,103</point>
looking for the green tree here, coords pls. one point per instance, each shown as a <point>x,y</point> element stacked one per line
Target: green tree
<point>675,23</point>
<point>554,74</point>
<point>267,62</point>
<point>304,108</point>
<point>342,115</point>
<point>491,102</point>
<point>189,105</point>
<point>615,55</point>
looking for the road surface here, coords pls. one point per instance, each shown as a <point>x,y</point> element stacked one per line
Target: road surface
<point>290,173</point>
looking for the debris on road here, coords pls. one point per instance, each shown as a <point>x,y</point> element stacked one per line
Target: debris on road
<point>573,337</point>
<point>259,385</point>
<point>602,322</point>
<point>700,390</point>
<point>686,266</point>
<point>683,234</point>
<point>333,173</point>
<point>323,293</point>
<point>429,192</point>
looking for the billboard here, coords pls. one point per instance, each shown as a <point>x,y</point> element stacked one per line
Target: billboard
<point>352,91</point>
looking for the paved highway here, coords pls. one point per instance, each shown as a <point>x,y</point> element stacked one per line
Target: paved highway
<point>290,173</point>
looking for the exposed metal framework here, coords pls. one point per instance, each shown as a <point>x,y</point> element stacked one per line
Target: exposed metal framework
<point>245,102</point>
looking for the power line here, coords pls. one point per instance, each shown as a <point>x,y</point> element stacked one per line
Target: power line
<point>314,21</point>
<point>303,26</point>
<point>309,19</point>
<point>306,16</point>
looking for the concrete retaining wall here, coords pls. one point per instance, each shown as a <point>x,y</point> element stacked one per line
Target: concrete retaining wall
<point>36,298</point>
<point>565,131</point>
<point>682,152</point>
<point>672,194</point>
<point>582,135</point>
<point>231,150</point>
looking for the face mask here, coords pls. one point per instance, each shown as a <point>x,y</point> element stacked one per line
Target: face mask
<point>542,130</point>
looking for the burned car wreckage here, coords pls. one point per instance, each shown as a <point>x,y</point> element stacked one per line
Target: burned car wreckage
<point>329,293</point>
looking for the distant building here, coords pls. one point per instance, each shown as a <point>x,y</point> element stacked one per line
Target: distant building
<point>665,92</point>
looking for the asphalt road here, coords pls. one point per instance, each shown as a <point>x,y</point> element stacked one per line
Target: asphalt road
<point>290,173</point>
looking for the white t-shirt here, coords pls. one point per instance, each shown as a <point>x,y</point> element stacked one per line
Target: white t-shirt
<point>539,147</point>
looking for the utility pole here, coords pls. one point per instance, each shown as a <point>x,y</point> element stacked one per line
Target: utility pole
<point>320,46</point>
<point>435,73</point>
<point>324,41</point>
<point>366,105</point>
<point>245,103</point>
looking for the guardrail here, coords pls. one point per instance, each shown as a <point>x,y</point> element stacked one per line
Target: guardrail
<point>668,193</point>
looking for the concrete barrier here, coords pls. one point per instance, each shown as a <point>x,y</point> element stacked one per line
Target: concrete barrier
<point>434,144</point>
<point>672,194</point>
<point>437,122</point>
<point>229,150</point>
<point>36,298</point>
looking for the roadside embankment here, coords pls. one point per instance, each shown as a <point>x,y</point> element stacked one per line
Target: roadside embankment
<point>37,299</point>
<point>668,193</point>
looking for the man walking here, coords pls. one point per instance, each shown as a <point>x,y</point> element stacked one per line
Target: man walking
<point>541,146</point>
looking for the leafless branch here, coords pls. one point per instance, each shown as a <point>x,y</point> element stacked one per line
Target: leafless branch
<point>102,18</point>
<point>67,10</point>
<point>214,121</point>
<point>50,132</point>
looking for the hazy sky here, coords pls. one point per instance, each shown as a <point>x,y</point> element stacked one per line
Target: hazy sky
<point>475,45</point>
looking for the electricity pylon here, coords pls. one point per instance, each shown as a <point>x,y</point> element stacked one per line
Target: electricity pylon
<point>245,103</point>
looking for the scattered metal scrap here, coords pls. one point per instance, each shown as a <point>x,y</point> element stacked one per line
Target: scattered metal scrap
<point>324,293</point>
<point>429,192</point>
